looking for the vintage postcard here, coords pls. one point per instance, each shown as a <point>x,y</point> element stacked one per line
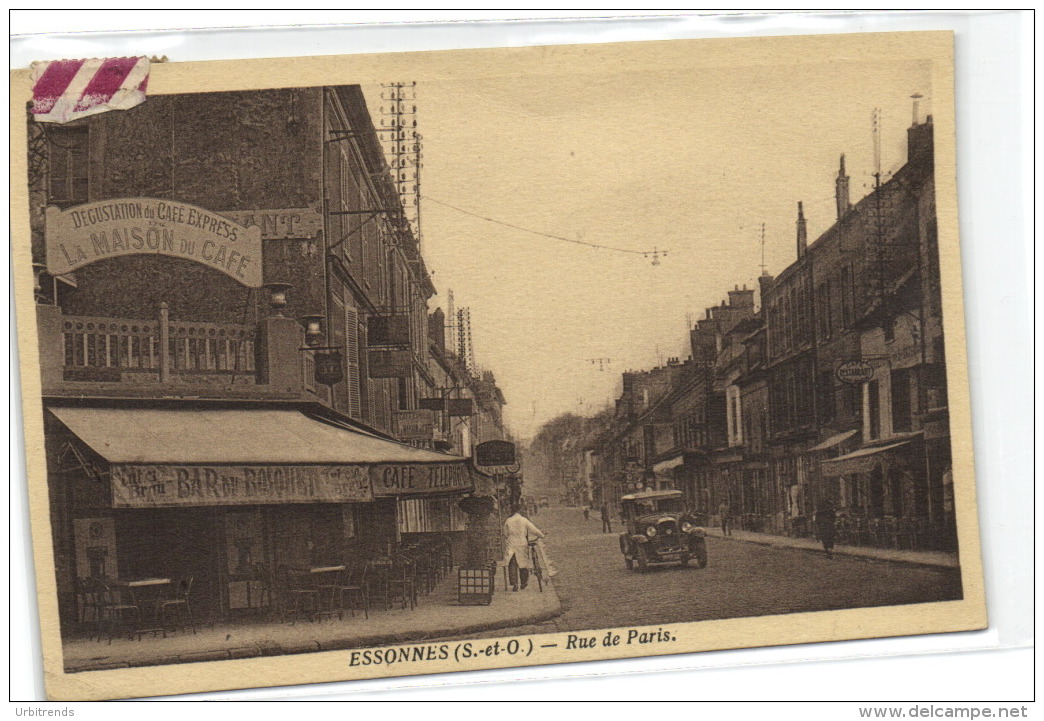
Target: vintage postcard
<point>381,365</point>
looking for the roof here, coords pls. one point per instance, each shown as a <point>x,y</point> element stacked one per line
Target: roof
<point>644,495</point>
<point>254,436</point>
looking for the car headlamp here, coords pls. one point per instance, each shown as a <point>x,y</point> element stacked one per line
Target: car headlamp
<point>650,531</point>
<point>686,527</point>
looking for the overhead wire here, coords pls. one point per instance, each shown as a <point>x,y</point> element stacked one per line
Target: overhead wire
<point>644,253</point>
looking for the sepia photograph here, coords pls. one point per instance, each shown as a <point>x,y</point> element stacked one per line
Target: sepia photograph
<point>384,365</point>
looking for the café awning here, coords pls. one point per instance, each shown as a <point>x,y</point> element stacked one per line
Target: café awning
<point>668,465</point>
<point>175,457</point>
<point>861,461</point>
<point>834,440</point>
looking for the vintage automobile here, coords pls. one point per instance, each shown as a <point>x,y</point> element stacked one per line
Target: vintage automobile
<point>658,529</point>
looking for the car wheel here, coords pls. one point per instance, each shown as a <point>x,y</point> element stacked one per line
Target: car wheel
<point>642,559</point>
<point>701,553</point>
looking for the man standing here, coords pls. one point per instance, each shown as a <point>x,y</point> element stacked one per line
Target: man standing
<point>825,521</point>
<point>519,532</point>
<point>607,522</point>
<point>725,516</point>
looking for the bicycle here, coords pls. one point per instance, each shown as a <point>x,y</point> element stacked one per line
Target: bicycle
<point>536,570</point>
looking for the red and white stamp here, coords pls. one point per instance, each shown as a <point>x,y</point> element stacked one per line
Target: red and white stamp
<point>65,90</point>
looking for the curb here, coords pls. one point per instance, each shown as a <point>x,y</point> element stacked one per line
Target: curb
<point>335,644</point>
<point>841,551</point>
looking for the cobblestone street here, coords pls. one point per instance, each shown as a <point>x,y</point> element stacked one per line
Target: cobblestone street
<point>741,579</point>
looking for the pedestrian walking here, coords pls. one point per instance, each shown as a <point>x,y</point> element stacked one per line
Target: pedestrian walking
<point>519,532</point>
<point>607,521</point>
<point>725,518</point>
<point>587,512</point>
<point>825,517</point>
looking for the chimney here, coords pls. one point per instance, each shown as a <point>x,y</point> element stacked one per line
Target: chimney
<point>741,298</point>
<point>802,231</point>
<point>919,142</point>
<point>841,191</point>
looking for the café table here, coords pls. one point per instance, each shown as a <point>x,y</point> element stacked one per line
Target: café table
<point>147,594</point>
<point>325,579</point>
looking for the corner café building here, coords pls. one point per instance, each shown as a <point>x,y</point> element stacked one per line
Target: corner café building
<point>191,438</point>
<point>227,496</point>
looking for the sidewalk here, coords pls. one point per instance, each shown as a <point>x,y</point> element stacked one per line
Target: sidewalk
<point>435,616</point>
<point>922,558</point>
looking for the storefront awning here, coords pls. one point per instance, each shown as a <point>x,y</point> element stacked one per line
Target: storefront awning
<point>668,465</point>
<point>861,461</point>
<point>834,440</point>
<point>175,457</point>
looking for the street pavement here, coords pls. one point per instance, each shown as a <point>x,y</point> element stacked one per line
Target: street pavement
<point>741,579</point>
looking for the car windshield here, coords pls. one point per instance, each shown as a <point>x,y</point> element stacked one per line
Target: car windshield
<point>657,505</point>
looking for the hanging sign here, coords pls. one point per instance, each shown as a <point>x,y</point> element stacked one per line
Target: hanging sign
<point>460,407</point>
<point>388,330</point>
<point>415,425</point>
<point>328,368</point>
<point>855,372</point>
<point>495,453</point>
<point>105,229</point>
<point>390,363</point>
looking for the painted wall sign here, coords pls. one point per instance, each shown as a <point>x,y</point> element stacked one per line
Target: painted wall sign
<point>399,479</point>
<point>279,224</point>
<point>855,372</point>
<point>155,485</point>
<point>83,234</point>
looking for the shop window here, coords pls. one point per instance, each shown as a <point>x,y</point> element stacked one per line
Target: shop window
<point>67,165</point>
<point>846,297</point>
<point>826,397</point>
<point>889,330</point>
<point>901,400</point>
<point>874,409</point>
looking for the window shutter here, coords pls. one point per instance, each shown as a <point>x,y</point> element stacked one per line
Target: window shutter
<point>351,342</point>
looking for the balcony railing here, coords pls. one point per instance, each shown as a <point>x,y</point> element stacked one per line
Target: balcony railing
<point>136,350</point>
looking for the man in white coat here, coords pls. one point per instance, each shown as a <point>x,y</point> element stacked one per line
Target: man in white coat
<point>519,532</point>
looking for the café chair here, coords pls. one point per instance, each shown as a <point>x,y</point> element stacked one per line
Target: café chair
<point>178,606</point>
<point>349,591</point>
<point>89,604</point>
<point>401,585</point>
<point>301,596</point>
<point>120,614</point>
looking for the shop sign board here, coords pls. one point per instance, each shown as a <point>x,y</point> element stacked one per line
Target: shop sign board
<point>855,372</point>
<point>395,479</point>
<point>388,330</point>
<point>390,363</point>
<point>495,453</point>
<point>415,425</point>
<point>160,485</point>
<point>462,407</point>
<point>105,229</point>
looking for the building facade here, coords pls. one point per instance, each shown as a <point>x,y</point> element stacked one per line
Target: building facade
<point>236,346</point>
<point>832,393</point>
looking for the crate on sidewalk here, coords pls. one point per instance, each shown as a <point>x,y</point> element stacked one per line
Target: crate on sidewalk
<point>475,585</point>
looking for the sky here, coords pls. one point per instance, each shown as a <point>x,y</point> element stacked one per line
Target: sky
<point>688,161</point>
